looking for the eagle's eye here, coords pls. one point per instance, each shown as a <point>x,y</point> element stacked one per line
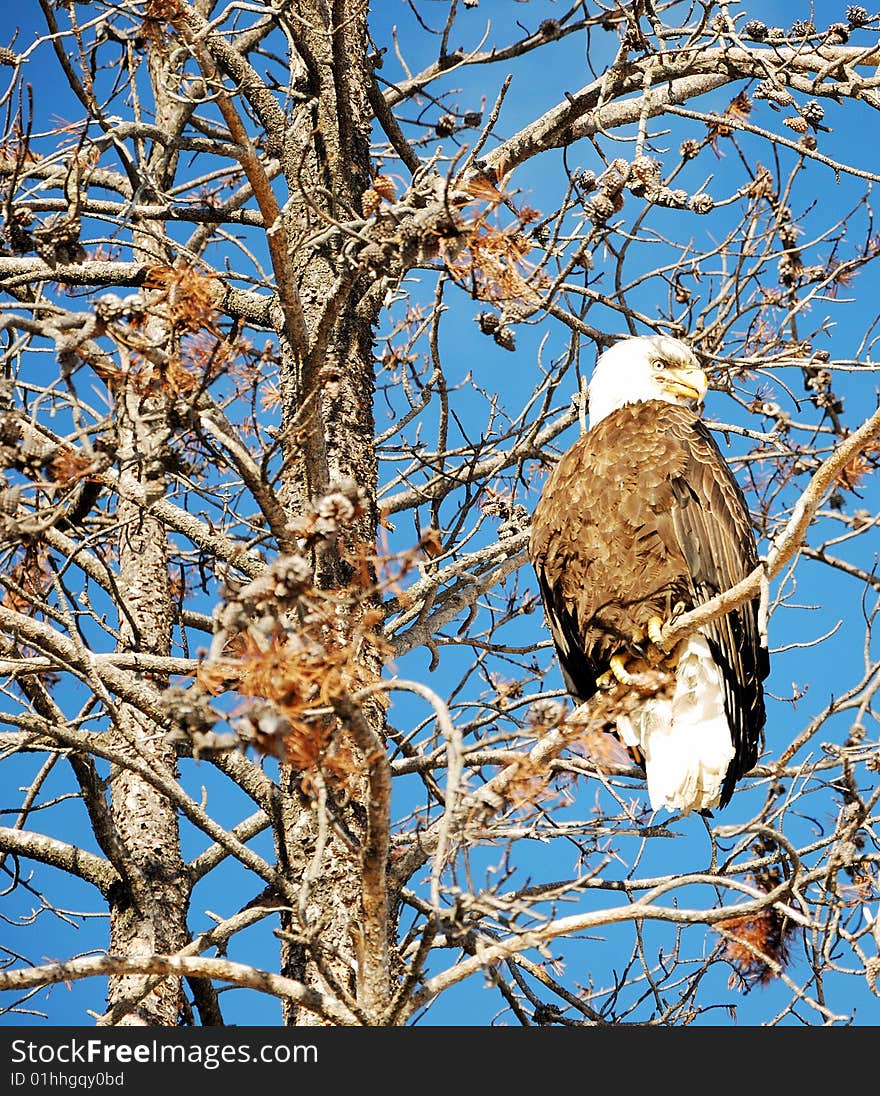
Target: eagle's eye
<point>658,363</point>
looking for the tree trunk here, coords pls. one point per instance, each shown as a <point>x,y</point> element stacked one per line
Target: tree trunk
<point>327,392</point>
<point>149,913</point>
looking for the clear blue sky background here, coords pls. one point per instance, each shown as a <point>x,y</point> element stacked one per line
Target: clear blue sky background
<point>540,82</point>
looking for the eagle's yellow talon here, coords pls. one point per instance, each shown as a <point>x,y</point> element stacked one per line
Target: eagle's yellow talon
<point>655,634</point>
<point>617,667</point>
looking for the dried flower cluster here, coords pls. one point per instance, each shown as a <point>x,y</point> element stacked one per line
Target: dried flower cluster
<point>757,945</point>
<point>491,259</point>
<point>290,651</point>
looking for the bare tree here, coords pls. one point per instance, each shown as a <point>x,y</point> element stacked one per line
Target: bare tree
<point>297,308</point>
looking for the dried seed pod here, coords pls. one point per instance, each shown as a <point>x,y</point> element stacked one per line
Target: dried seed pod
<point>9,500</point>
<point>645,174</point>
<point>788,234</point>
<point>701,203</point>
<point>445,125</point>
<point>505,337</point>
<point>673,199</point>
<point>108,306</point>
<point>546,713</point>
<point>370,201</point>
<point>615,176</point>
<point>837,34</point>
<point>385,187</point>
<point>585,181</point>
<point>489,322</point>
<point>768,90</point>
<point>599,208</point>
<point>789,268</point>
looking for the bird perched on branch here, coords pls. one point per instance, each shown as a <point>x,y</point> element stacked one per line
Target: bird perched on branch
<point>640,521</point>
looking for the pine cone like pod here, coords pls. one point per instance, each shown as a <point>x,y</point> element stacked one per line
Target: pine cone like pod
<point>57,241</point>
<point>489,322</point>
<point>837,34</point>
<point>292,574</point>
<point>7,56</point>
<point>373,256</point>
<point>755,30</point>
<point>857,16</point>
<point>586,181</point>
<point>189,707</point>
<point>767,90</point>
<point>370,201</point>
<point>689,148</point>
<point>788,234</point>
<point>645,174</point>
<point>33,444</point>
<point>108,307</point>
<point>813,112</point>
<point>762,184</point>
<point>546,713</point>
<point>9,500</point>
<point>633,38</point>
<point>798,124</point>
<point>615,176</point>
<point>584,259</point>
<point>505,337</point>
<point>674,199</point>
<point>600,208</point>
<point>802,28</point>
<point>385,187</point>
<point>445,125</point>
<point>336,508</point>
<point>702,203</point>
<point>789,269</point>
<point>10,430</point>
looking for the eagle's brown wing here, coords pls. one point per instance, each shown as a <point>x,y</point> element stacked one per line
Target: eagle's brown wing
<point>711,523</point>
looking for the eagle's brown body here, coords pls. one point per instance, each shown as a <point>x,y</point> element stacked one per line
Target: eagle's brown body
<point>642,518</point>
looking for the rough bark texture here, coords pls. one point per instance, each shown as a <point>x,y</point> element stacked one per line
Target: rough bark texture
<point>327,394</point>
<point>148,909</point>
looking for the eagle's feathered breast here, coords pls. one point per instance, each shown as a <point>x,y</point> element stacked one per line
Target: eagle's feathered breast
<point>641,518</point>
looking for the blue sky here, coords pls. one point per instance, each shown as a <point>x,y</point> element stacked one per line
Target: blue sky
<point>539,83</point>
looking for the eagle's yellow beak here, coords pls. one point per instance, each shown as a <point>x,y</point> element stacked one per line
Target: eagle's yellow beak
<point>689,383</point>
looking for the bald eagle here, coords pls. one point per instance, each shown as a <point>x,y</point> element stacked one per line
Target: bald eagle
<point>640,521</point>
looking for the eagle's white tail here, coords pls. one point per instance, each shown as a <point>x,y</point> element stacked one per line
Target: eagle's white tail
<point>685,740</point>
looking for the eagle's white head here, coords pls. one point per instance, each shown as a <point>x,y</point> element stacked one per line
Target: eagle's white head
<point>646,367</point>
